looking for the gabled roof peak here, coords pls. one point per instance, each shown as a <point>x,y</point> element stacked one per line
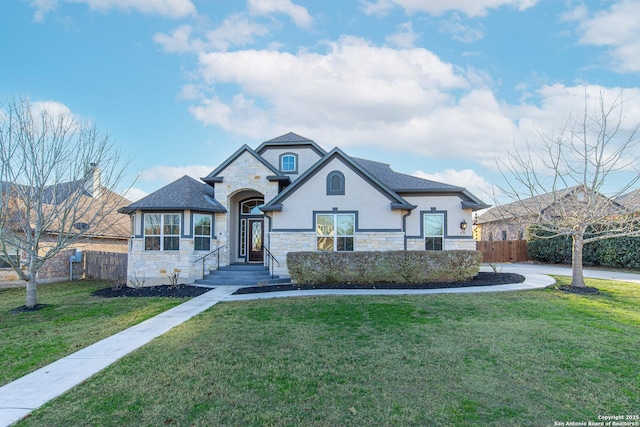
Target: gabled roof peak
<point>290,137</point>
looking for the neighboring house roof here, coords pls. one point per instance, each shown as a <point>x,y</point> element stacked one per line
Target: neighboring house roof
<point>397,202</point>
<point>538,204</point>
<point>631,200</point>
<point>111,225</point>
<point>184,193</point>
<point>524,207</point>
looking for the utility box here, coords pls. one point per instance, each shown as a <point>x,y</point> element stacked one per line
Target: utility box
<point>77,257</point>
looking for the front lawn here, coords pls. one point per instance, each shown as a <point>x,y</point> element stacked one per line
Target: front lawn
<point>72,320</point>
<point>517,358</point>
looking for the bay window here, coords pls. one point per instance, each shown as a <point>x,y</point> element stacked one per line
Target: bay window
<point>161,232</point>
<point>201,232</point>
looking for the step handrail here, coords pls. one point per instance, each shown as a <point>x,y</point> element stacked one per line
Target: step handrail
<point>269,258</point>
<point>202,258</point>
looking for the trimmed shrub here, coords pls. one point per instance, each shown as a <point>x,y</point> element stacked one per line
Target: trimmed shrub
<point>614,252</point>
<point>619,252</point>
<point>383,267</point>
<point>555,250</point>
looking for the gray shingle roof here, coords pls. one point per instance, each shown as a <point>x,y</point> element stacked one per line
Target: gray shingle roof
<point>631,200</point>
<point>184,193</point>
<point>401,182</point>
<point>290,137</point>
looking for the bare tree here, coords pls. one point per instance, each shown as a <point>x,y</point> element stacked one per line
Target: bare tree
<point>57,177</point>
<point>568,184</point>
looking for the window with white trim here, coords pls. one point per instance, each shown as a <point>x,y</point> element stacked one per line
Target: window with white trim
<point>161,232</point>
<point>202,232</point>
<point>335,232</point>
<point>433,224</point>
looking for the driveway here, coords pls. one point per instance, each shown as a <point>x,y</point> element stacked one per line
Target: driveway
<point>558,270</point>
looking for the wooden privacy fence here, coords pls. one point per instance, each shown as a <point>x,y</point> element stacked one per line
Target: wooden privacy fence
<point>105,266</point>
<point>503,250</point>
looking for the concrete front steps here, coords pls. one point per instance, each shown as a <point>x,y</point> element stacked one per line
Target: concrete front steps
<point>241,275</point>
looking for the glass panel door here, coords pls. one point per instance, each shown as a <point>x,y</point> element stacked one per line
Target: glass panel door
<point>256,236</point>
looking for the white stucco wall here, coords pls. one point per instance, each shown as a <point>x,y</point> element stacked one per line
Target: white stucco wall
<point>450,204</point>
<point>374,208</point>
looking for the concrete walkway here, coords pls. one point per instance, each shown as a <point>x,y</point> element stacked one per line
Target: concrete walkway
<point>20,397</point>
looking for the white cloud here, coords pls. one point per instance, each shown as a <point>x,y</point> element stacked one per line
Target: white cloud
<point>466,178</point>
<point>460,31</point>
<point>135,194</point>
<point>166,8</point>
<point>355,93</point>
<point>179,40</point>
<point>298,14</point>
<point>168,174</point>
<point>42,7</point>
<point>438,7</point>
<point>53,109</point>
<point>235,30</point>
<point>617,28</point>
<point>359,94</point>
<point>405,37</point>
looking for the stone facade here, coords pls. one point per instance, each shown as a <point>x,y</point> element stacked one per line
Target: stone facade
<point>449,244</point>
<point>246,175</point>
<point>150,268</point>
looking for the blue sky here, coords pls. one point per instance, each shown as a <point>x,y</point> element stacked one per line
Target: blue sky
<point>435,88</point>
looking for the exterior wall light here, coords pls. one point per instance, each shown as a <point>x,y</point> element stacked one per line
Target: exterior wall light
<point>463,226</point>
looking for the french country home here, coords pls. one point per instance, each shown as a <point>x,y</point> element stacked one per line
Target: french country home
<point>289,194</point>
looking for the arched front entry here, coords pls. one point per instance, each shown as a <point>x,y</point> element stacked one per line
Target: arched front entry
<point>251,230</point>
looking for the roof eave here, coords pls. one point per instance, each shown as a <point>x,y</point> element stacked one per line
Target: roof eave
<point>474,206</point>
<point>130,210</point>
<point>402,206</point>
<point>212,179</point>
<point>272,208</point>
<point>279,178</point>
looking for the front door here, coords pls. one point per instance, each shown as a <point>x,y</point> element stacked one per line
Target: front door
<point>256,236</point>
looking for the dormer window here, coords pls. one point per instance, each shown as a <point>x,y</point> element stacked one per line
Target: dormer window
<point>335,183</point>
<point>289,163</point>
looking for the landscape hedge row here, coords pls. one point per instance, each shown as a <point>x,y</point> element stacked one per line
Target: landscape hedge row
<point>313,268</point>
<point>616,252</point>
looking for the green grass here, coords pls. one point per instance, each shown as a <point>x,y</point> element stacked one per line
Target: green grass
<point>518,359</point>
<point>73,320</point>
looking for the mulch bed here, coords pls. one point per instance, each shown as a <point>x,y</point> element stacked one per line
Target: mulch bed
<point>25,309</point>
<point>482,279</point>
<point>179,291</point>
<point>183,291</point>
<point>580,290</point>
